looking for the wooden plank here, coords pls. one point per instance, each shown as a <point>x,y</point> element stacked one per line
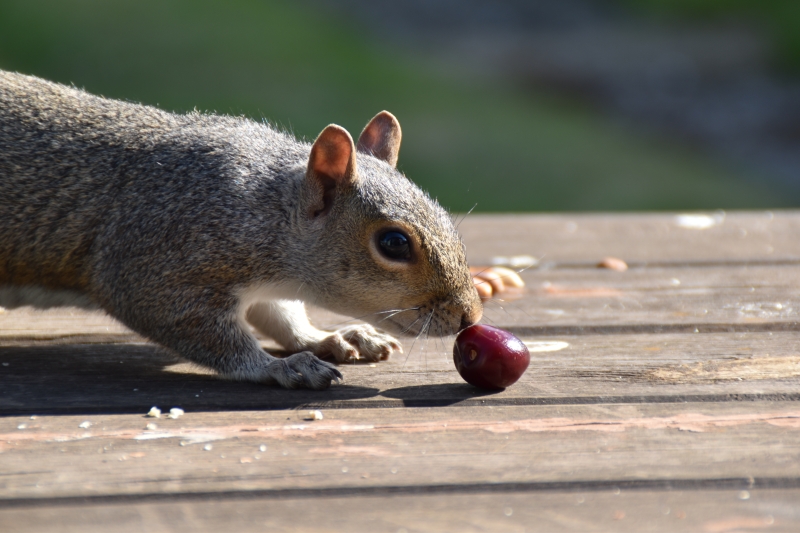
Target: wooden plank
<point>741,298</point>
<point>744,316</point>
<point>517,447</point>
<point>636,237</point>
<point>27,326</point>
<point>630,412</point>
<point>589,369</point>
<point>673,511</point>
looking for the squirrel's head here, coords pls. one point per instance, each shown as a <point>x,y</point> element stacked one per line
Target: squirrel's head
<point>380,248</point>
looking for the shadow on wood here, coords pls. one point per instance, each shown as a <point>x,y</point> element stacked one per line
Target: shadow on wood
<point>438,394</point>
<point>130,378</point>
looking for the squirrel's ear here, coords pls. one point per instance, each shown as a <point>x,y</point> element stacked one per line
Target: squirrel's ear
<point>381,138</point>
<point>332,164</point>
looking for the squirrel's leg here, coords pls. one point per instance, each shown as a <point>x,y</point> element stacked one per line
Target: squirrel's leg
<point>286,321</point>
<point>216,337</point>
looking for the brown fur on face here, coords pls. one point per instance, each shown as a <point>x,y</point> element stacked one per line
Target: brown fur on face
<point>433,291</point>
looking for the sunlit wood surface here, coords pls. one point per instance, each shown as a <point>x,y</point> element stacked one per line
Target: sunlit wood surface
<point>662,398</point>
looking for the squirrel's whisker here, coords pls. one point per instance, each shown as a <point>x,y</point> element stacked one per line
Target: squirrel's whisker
<point>408,328</point>
<point>495,300</point>
<point>481,272</point>
<point>500,306</point>
<point>397,312</point>
<point>411,349</point>
<point>466,215</point>
<point>362,317</point>
<point>419,334</point>
<point>492,322</point>
<point>299,288</point>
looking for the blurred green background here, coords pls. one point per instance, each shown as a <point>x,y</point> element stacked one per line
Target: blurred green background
<point>780,18</point>
<point>302,68</point>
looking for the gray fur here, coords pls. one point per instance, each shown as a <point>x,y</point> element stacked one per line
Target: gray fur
<point>165,221</point>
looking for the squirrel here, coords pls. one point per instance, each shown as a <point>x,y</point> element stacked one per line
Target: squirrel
<point>188,227</point>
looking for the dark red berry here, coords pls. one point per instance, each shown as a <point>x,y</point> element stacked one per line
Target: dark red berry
<point>489,357</point>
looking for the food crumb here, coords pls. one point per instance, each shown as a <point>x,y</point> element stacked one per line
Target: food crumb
<point>154,412</point>
<point>151,426</point>
<point>22,426</point>
<point>175,412</point>
<point>515,261</point>
<point>263,448</point>
<point>85,425</point>
<point>313,415</point>
<point>494,280</point>
<point>484,290</point>
<point>509,277</point>
<point>208,447</point>
<point>613,263</point>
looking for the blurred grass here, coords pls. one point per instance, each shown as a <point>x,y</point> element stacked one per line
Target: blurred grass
<point>303,69</point>
<point>780,17</point>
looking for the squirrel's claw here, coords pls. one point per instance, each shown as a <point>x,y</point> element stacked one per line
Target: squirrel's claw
<point>359,342</point>
<point>303,369</point>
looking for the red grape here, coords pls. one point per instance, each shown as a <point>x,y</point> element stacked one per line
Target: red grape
<point>489,357</point>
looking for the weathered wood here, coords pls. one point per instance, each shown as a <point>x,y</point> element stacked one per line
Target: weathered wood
<point>635,237</point>
<point>589,369</point>
<point>588,300</point>
<point>658,298</point>
<point>27,326</point>
<point>667,391</point>
<point>54,457</point>
<point>670,511</point>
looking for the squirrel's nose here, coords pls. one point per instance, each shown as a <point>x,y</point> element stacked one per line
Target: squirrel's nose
<point>470,318</point>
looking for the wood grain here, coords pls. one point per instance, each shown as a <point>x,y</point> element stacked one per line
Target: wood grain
<point>660,238</point>
<point>569,301</point>
<point>670,511</point>
<point>625,511</point>
<point>591,369</point>
<point>661,398</point>
<point>102,455</point>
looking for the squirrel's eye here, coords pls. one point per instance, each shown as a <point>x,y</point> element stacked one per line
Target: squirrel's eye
<point>395,245</point>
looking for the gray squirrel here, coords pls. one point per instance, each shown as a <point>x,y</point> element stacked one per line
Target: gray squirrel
<point>186,228</point>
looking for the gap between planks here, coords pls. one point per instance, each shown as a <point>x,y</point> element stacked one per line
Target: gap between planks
<point>622,512</point>
<point>419,403</point>
<point>613,485</point>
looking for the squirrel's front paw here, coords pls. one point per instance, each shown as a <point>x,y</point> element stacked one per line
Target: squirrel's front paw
<point>359,342</point>
<point>302,369</point>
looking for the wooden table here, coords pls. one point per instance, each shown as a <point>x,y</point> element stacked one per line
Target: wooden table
<point>662,398</point>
